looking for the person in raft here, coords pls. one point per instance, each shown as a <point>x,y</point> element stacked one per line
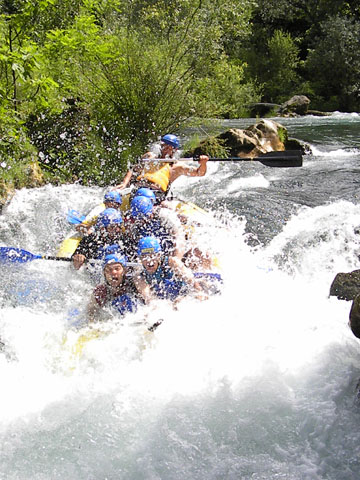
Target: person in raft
<point>159,175</point>
<point>117,291</point>
<point>108,230</point>
<point>144,219</point>
<point>112,199</point>
<point>161,276</point>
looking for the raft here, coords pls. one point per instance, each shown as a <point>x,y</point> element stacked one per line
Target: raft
<point>78,344</point>
<point>188,211</point>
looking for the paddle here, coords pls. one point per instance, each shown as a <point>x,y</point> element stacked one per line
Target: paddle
<point>288,158</point>
<point>74,217</point>
<point>17,255</point>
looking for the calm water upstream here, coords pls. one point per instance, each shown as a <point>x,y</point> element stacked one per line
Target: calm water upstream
<point>257,383</point>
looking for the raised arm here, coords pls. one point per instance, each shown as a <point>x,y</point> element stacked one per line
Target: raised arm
<point>179,169</point>
<point>125,182</point>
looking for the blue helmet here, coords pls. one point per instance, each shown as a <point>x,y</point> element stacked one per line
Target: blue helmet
<point>115,248</point>
<point>146,192</point>
<point>109,216</point>
<point>141,206</point>
<point>115,258</point>
<point>113,196</point>
<point>148,245</point>
<point>171,139</point>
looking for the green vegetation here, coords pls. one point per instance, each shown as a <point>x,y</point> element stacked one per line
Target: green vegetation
<point>85,85</point>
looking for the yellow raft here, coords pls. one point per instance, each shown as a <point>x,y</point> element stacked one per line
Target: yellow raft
<point>187,210</point>
<point>77,343</point>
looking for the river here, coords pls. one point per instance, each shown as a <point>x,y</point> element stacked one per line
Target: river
<point>256,383</point>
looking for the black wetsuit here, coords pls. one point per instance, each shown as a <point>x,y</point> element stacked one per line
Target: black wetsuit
<point>93,246</point>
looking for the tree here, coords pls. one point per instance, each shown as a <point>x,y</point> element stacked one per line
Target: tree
<point>334,63</point>
<point>137,65</point>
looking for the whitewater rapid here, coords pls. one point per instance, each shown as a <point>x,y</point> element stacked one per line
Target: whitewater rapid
<point>258,382</point>
<point>248,383</point>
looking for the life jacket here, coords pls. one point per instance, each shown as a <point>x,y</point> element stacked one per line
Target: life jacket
<point>163,282</point>
<point>157,173</point>
<point>124,304</point>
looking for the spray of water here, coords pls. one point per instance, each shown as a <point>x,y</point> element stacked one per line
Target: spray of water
<point>250,383</point>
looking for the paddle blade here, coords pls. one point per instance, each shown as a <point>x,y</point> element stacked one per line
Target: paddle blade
<point>16,255</point>
<point>74,217</point>
<point>288,158</point>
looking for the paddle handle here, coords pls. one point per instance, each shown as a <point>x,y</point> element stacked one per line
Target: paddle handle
<point>289,155</point>
<point>69,259</point>
<point>60,259</point>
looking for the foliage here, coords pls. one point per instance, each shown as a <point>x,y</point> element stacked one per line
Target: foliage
<point>213,147</point>
<point>138,74</point>
<point>281,65</point>
<point>85,85</point>
<point>224,92</point>
<point>335,71</point>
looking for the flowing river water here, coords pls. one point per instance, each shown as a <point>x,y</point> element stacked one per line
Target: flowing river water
<point>256,383</point>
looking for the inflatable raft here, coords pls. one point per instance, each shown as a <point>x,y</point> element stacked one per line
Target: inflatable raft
<point>189,214</point>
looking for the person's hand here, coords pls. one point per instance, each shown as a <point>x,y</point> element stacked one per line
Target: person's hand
<point>78,260</point>
<point>121,186</point>
<point>83,229</point>
<point>203,159</point>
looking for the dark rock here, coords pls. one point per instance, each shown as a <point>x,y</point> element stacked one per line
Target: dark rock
<point>354,317</point>
<point>346,286</point>
<point>294,144</point>
<point>296,105</point>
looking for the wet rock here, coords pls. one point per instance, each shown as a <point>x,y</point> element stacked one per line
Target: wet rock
<point>346,286</point>
<point>354,317</point>
<point>294,144</point>
<point>262,137</point>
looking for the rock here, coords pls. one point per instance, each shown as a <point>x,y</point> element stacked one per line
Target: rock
<point>294,144</point>
<point>297,104</point>
<point>262,137</point>
<point>317,113</point>
<point>35,175</point>
<point>236,141</point>
<point>354,317</point>
<point>33,178</point>
<point>346,286</point>
<point>6,193</point>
